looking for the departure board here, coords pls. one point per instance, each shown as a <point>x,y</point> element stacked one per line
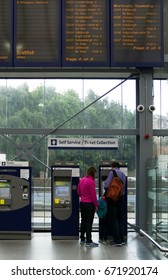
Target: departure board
<point>37,33</point>
<point>85,33</point>
<point>137,33</point>
<point>81,33</point>
<point>6,33</point>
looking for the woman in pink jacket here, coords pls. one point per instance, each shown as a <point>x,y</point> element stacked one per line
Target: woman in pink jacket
<point>88,206</point>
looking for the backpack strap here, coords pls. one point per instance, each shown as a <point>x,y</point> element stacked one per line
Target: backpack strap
<point>114,173</point>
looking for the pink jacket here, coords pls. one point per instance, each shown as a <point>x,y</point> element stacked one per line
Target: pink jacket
<point>87,190</point>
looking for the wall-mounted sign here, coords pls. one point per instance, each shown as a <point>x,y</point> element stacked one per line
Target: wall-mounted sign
<point>14,163</point>
<point>83,143</point>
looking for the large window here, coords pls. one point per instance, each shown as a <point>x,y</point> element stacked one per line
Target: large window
<point>67,104</point>
<point>73,104</point>
<point>38,103</point>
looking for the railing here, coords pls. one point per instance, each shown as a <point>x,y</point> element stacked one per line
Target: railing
<point>161,248</point>
<point>156,244</point>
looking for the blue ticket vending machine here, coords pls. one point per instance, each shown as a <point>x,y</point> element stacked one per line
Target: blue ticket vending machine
<point>104,170</point>
<point>65,202</point>
<point>15,202</point>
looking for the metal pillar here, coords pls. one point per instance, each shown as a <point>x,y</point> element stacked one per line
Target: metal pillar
<point>144,143</point>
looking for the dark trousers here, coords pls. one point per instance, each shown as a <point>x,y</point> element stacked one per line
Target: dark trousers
<point>115,212</point>
<point>87,216</point>
<point>103,228</point>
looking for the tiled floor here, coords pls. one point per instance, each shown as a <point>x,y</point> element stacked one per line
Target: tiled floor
<point>42,247</point>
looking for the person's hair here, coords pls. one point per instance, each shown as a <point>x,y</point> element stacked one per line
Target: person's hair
<point>115,164</point>
<point>91,171</point>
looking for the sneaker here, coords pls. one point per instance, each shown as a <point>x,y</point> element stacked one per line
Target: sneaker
<point>112,243</point>
<point>103,241</point>
<point>82,242</point>
<point>92,244</point>
<point>123,243</point>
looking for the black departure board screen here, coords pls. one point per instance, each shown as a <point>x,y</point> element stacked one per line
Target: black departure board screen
<point>85,33</point>
<point>137,33</point>
<point>81,33</point>
<point>6,32</point>
<point>37,33</point>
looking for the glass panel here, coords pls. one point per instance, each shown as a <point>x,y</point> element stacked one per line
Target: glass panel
<point>160,116</point>
<point>40,103</point>
<point>151,202</point>
<point>160,146</point>
<point>165,28</point>
<point>157,170</point>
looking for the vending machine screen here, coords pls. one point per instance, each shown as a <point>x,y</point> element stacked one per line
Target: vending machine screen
<point>62,192</point>
<point>5,189</point>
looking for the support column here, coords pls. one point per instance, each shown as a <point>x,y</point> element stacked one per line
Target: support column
<point>144,143</point>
